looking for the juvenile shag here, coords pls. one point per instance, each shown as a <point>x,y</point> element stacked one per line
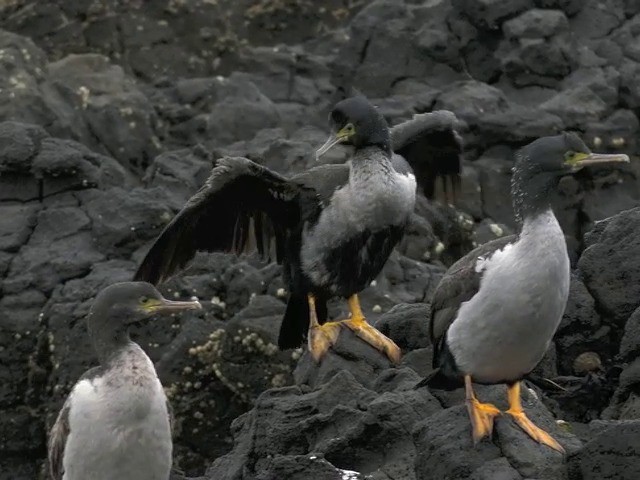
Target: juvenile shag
<point>496,310</point>
<point>334,225</point>
<point>115,423</point>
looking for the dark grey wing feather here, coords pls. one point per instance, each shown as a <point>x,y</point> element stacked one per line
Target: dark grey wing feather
<point>60,431</point>
<point>459,284</point>
<point>324,179</point>
<point>431,144</point>
<point>240,202</point>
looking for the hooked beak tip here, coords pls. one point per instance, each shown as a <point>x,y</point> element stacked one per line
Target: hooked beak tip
<point>331,141</point>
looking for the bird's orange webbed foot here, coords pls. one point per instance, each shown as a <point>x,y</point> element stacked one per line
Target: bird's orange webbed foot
<point>481,415</point>
<point>516,412</point>
<point>358,325</point>
<point>320,337</point>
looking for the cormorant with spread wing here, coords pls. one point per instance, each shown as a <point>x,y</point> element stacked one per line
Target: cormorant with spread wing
<point>334,225</point>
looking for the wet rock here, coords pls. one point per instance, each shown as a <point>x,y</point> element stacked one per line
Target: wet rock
<point>577,331</point>
<point>576,107</point>
<point>613,242</point>
<point>443,437</point>
<point>490,13</point>
<point>452,227</point>
<point>472,100</point>
<point>519,125</point>
<point>19,142</point>
<point>538,61</point>
<point>440,441</point>
<point>348,354</point>
<point>630,343</point>
<point>17,225</point>
<point>22,70</point>
<point>407,325</point>
<point>570,7</point>
<point>179,173</point>
<point>419,241</point>
<point>244,108</point>
<point>65,165</point>
<point>129,81</point>
<point>536,23</point>
<point>341,421</point>
<point>597,19</point>
<point>420,361</point>
<point>122,220</point>
<point>117,118</point>
<point>614,134</point>
<point>625,403</point>
<point>287,74</point>
<point>611,454</point>
<point>37,166</point>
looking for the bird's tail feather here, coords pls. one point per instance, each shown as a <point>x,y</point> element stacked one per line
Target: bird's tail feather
<point>295,322</point>
<point>438,380</point>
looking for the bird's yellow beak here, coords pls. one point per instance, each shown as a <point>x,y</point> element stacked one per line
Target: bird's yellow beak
<point>169,306</point>
<point>586,159</point>
<point>342,135</point>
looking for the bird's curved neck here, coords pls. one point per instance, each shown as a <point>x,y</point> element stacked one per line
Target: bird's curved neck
<point>531,191</point>
<point>378,137</point>
<point>107,335</point>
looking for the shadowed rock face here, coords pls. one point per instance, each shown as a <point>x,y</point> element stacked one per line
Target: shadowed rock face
<point>113,113</point>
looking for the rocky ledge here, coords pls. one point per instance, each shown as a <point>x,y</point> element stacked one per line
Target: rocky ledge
<point>112,114</point>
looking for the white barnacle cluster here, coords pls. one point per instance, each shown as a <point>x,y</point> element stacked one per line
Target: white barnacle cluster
<point>253,343</point>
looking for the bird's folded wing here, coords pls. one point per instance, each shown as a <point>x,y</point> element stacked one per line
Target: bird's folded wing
<point>459,284</point>
<point>240,203</point>
<point>57,442</point>
<point>432,145</point>
<point>60,431</point>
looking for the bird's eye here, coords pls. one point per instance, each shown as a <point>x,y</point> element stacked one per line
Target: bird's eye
<point>144,300</point>
<point>569,155</point>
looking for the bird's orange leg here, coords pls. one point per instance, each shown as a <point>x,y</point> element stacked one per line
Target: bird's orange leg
<point>320,337</point>
<point>481,414</point>
<point>516,412</point>
<point>358,325</point>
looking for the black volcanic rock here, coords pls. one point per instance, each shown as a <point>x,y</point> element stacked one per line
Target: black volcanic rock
<point>112,115</point>
<point>625,404</point>
<point>614,242</point>
<point>536,23</point>
<point>610,455</point>
<point>630,343</point>
<point>580,329</point>
<point>490,13</point>
<point>407,325</point>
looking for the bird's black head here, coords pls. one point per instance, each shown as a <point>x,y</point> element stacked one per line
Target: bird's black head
<point>121,304</point>
<point>355,121</point>
<point>540,165</point>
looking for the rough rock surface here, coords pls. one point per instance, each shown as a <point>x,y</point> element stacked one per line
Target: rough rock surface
<point>111,116</point>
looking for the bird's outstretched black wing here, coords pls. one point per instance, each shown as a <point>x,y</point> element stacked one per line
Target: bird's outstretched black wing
<point>238,198</point>
<point>431,143</point>
<point>459,284</point>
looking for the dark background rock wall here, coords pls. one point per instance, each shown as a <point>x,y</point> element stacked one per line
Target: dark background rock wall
<point>113,113</point>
